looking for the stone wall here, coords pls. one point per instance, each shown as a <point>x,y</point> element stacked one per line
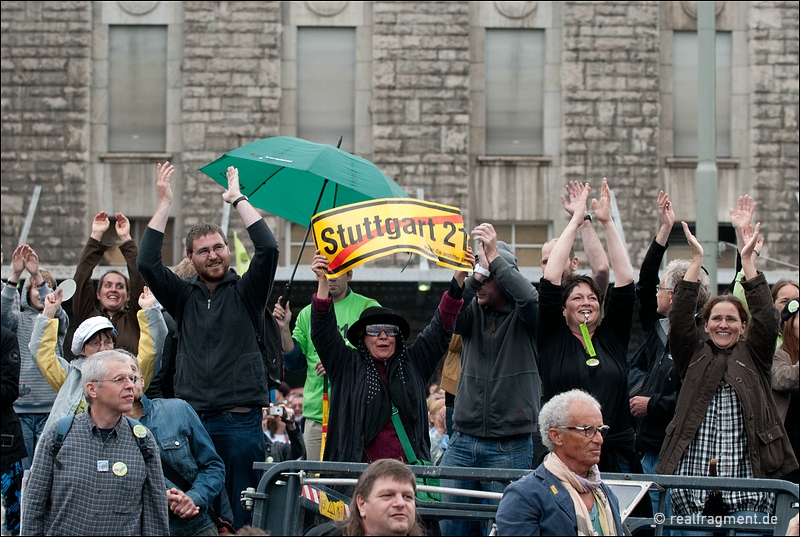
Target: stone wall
<point>231,91</point>
<point>773,42</point>
<point>420,97</point>
<point>610,100</point>
<point>46,69</point>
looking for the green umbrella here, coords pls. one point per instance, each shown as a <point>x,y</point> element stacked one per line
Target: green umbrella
<point>296,179</point>
<point>290,177</point>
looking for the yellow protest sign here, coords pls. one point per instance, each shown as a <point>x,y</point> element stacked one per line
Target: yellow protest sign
<point>333,510</point>
<point>354,234</point>
<point>242,258</point>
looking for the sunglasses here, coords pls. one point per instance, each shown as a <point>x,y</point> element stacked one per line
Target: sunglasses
<point>375,330</point>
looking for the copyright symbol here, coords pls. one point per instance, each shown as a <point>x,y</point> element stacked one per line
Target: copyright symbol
<point>659,518</point>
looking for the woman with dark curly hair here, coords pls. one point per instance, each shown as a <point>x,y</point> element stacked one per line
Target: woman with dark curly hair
<point>575,350</point>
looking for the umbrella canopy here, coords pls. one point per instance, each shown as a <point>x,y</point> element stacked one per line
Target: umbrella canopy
<point>285,176</point>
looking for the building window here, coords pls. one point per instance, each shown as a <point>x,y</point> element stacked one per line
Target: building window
<point>294,234</point>
<point>326,88</point>
<point>525,239</point>
<point>679,248</point>
<point>137,88</point>
<point>685,74</point>
<point>514,71</point>
<point>113,256</point>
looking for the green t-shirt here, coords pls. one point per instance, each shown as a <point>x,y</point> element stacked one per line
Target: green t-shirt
<point>348,310</point>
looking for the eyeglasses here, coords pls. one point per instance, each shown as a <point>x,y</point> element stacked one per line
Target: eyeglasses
<point>730,319</point>
<point>121,380</point>
<point>204,252</point>
<point>106,344</point>
<point>659,288</point>
<point>589,430</point>
<point>375,330</point>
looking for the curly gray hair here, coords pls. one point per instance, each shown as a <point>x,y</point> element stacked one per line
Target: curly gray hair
<point>555,413</point>
<point>676,270</point>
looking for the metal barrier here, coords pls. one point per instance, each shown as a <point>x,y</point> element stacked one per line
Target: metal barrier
<point>292,496</point>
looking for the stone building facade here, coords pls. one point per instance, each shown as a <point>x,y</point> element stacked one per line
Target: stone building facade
<point>420,112</point>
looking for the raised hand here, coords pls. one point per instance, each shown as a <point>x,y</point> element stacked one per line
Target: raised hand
<point>100,225</point>
<point>486,236</point>
<point>751,236</point>
<point>147,299</point>
<point>574,190</point>
<point>665,212</point>
<point>123,227</point>
<point>461,275</point>
<point>694,244</point>
<point>283,315</point>
<point>164,182</point>
<point>743,215</point>
<point>747,234</point>
<point>52,302</point>
<point>233,191</point>
<point>17,262</point>
<point>602,208</point>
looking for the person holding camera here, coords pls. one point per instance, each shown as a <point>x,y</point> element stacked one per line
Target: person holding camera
<point>278,417</point>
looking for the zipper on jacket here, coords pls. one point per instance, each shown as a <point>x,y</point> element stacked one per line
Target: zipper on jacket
<point>209,303</point>
<point>697,361</point>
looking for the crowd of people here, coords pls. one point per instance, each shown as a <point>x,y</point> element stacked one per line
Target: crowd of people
<point>156,425</point>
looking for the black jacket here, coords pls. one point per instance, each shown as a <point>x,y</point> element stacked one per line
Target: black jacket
<point>408,372</point>
<point>652,372</point>
<point>218,363</point>
<point>13,447</point>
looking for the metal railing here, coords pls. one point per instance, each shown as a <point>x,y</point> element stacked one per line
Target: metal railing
<point>295,495</point>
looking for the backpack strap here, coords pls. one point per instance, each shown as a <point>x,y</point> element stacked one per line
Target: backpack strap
<point>140,434</point>
<point>62,429</point>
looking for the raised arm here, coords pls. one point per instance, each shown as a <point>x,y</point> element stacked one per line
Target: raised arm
<point>152,332</point>
<point>647,287</point>
<point>44,341</point>
<point>246,211</point>
<point>560,253</point>
<point>598,261</point>
<point>83,303</point>
<point>683,334</point>
<point>617,252</point>
<point>130,252</point>
<point>163,184</point>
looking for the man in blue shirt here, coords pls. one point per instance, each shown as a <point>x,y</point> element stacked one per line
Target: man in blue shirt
<point>183,444</point>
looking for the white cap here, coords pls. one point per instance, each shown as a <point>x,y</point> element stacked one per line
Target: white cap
<point>87,329</point>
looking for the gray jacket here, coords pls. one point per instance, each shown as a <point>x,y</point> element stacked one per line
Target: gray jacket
<point>35,395</point>
<point>499,392</point>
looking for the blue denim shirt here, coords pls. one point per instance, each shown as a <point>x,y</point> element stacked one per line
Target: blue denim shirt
<point>186,446</point>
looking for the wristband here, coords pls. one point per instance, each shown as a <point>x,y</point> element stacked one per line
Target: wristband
<point>12,284</point>
<point>240,198</point>
<point>482,271</point>
<point>587,217</point>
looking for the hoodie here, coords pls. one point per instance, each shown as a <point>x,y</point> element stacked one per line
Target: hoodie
<point>35,394</point>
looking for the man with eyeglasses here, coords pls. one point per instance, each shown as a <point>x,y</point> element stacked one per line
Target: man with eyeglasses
<point>653,381</point>
<point>95,334</point>
<point>104,478</point>
<point>219,368</point>
<point>565,494</point>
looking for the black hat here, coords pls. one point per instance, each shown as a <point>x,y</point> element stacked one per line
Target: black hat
<point>790,309</point>
<point>376,315</point>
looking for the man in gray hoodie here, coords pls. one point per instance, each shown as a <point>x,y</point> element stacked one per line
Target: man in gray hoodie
<point>498,397</point>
